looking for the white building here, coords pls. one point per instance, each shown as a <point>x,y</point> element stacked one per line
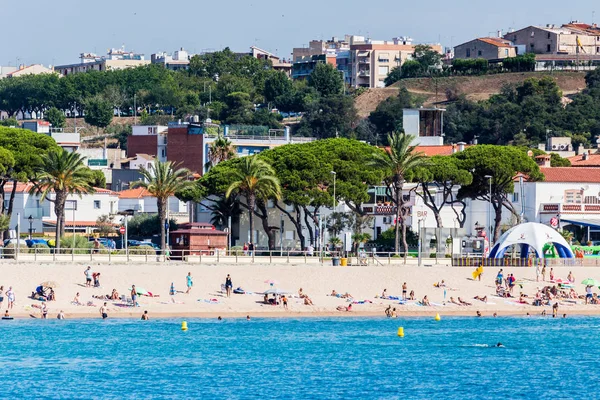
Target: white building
<point>139,200</point>
<point>87,210</point>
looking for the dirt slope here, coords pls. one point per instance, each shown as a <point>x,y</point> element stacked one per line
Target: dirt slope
<point>474,87</point>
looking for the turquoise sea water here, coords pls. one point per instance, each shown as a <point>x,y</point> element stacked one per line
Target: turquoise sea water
<point>301,358</point>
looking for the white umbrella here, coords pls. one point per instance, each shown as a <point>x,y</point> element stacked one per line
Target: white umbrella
<point>276,291</point>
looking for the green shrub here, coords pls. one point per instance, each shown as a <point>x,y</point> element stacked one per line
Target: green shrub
<point>40,248</point>
<point>9,251</point>
<point>82,244</point>
<point>142,250</point>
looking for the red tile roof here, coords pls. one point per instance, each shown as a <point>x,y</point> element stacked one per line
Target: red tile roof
<point>593,160</point>
<point>498,42</point>
<point>570,174</point>
<point>25,187</point>
<point>444,150</point>
<point>136,193</point>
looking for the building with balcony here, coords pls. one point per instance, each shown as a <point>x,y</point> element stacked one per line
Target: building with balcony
<point>179,60</point>
<point>372,60</point>
<point>70,141</point>
<point>81,214</point>
<point>304,66</point>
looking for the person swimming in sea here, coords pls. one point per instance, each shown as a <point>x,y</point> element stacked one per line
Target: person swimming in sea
<point>499,345</point>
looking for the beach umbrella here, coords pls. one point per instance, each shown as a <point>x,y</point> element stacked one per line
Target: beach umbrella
<point>49,284</point>
<point>140,291</point>
<point>271,282</point>
<point>590,281</point>
<point>276,291</point>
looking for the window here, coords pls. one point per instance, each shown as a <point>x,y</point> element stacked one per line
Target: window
<point>573,196</point>
<point>597,49</point>
<point>163,152</point>
<point>149,166</point>
<point>531,46</point>
<point>479,53</point>
<point>384,71</point>
<point>468,52</point>
<point>515,197</point>
<point>506,52</point>
<point>532,33</point>
<point>96,204</point>
<point>548,48</point>
<point>548,35</point>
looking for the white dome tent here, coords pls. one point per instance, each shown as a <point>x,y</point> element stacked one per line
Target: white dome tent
<point>531,235</point>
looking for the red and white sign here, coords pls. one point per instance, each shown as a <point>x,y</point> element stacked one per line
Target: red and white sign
<point>554,222</point>
<point>122,230</point>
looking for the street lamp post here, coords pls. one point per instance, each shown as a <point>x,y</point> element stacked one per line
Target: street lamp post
<point>30,219</point>
<point>489,178</point>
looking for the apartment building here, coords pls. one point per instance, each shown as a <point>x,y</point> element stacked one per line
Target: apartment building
<point>115,59</point>
<point>179,60</point>
<point>489,48</point>
<point>372,60</point>
<point>320,47</point>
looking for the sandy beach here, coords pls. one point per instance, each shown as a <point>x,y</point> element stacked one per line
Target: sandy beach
<point>206,300</point>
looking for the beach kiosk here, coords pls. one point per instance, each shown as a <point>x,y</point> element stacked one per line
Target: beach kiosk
<point>195,238</point>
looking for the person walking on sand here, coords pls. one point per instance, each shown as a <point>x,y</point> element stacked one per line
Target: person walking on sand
<point>88,276</point>
<point>499,277</point>
<point>190,282</point>
<point>404,290</point>
<point>104,311</point>
<point>1,296</point>
<point>44,311</point>
<point>537,272</point>
<point>228,285</point>
<point>551,274</point>
<point>10,297</point>
<point>544,273</point>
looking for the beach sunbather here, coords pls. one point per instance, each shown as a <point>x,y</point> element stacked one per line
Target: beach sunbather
<point>425,301</point>
<point>453,301</point>
<point>464,303</point>
<point>342,308</point>
<point>307,301</point>
<point>484,298</point>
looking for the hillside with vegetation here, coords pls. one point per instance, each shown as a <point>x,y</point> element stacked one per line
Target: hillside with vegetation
<point>479,87</point>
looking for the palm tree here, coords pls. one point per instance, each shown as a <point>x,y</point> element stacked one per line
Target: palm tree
<point>62,173</point>
<point>162,181</point>
<point>256,180</point>
<point>222,209</point>
<point>397,161</point>
<point>220,150</point>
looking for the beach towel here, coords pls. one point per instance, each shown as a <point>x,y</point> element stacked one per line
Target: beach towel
<point>210,301</point>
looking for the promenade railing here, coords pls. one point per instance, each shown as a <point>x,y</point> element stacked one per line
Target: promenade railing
<point>149,255</point>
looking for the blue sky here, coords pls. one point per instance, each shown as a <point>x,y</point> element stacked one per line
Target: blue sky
<point>55,32</point>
